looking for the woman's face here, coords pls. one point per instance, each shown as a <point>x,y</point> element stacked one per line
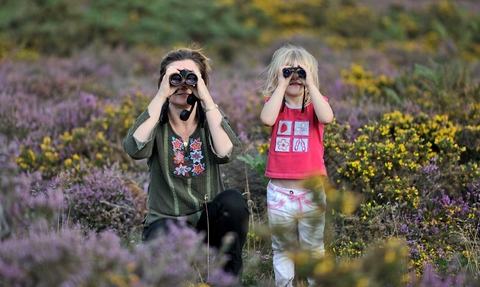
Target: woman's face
<point>179,97</point>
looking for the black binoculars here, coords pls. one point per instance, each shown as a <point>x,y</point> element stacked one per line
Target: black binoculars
<point>186,76</point>
<point>300,72</point>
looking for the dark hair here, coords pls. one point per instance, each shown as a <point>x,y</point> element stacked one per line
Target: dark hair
<point>202,62</point>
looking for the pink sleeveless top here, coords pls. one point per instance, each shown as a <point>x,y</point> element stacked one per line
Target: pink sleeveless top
<point>296,146</point>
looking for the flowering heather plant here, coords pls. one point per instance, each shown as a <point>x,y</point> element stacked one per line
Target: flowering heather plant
<point>410,171</point>
<point>56,79</point>
<point>240,101</point>
<point>119,118</point>
<point>356,116</point>
<point>445,224</point>
<point>37,250</point>
<point>105,199</point>
<point>50,96</point>
<point>93,138</point>
<point>431,278</point>
<point>25,197</point>
<point>469,135</point>
<point>23,117</point>
<point>382,265</point>
<point>77,112</point>
<point>180,258</point>
<point>66,258</point>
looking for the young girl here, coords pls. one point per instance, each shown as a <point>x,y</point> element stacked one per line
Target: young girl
<point>297,113</point>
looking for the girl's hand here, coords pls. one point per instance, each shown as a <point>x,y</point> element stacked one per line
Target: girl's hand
<point>282,81</point>
<point>308,81</point>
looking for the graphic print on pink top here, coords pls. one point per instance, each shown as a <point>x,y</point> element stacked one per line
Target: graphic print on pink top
<point>297,148</point>
<point>292,139</point>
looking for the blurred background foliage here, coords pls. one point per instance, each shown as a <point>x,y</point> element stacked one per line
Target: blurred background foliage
<point>62,27</point>
<point>402,155</point>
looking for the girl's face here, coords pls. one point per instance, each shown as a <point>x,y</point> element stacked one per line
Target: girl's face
<point>295,86</point>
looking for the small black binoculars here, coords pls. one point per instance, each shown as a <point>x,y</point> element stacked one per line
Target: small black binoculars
<point>184,76</point>
<point>300,72</point>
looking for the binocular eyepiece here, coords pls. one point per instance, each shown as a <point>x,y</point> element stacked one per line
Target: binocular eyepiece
<point>300,72</point>
<point>185,76</point>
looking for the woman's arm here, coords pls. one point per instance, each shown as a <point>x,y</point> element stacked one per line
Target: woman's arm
<point>237,147</point>
<point>144,131</point>
<point>138,149</point>
<point>222,144</point>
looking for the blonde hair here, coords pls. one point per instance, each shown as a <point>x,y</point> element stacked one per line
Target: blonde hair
<point>287,56</point>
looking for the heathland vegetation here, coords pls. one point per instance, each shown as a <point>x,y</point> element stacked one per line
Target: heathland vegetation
<point>403,153</point>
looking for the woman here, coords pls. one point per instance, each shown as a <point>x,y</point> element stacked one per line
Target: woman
<point>185,138</point>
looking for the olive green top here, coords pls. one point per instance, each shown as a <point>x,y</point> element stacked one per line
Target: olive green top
<point>182,175</point>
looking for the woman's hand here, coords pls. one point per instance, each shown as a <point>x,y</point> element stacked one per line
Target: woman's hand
<point>200,89</point>
<point>166,89</point>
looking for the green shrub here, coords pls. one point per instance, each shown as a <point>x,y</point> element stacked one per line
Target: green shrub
<point>62,26</point>
<point>98,143</point>
<point>352,21</point>
<point>364,83</point>
<point>445,88</point>
<point>383,161</point>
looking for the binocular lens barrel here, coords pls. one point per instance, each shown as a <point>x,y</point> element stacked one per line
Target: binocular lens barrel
<point>178,78</point>
<point>300,72</point>
<point>191,79</point>
<point>286,73</point>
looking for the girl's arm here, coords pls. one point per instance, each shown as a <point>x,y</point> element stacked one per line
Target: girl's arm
<point>321,107</point>
<point>270,110</point>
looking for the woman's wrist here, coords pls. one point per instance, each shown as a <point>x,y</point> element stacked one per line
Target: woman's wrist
<point>211,108</point>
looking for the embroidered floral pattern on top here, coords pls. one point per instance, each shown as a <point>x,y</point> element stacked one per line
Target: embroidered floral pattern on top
<point>190,164</point>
